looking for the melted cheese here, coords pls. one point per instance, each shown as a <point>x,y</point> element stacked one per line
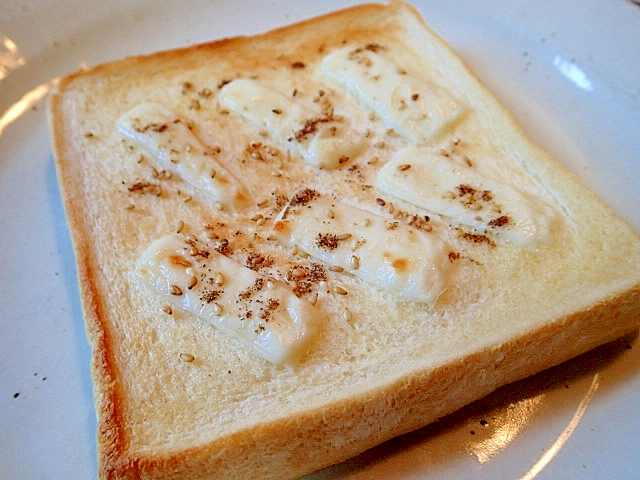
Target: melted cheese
<point>160,133</point>
<point>388,254</point>
<point>261,314</point>
<point>412,106</point>
<point>319,138</point>
<point>438,184</point>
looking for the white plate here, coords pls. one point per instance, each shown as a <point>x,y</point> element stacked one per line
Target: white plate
<point>570,72</point>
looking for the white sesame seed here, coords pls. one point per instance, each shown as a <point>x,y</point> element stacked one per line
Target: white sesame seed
<point>339,290</point>
<point>187,357</point>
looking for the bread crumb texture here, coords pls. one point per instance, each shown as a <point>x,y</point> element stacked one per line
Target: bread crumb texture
<point>296,155</point>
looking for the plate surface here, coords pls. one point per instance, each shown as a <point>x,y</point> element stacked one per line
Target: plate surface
<point>569,71</point>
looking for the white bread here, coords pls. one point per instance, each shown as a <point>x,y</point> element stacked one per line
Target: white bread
<point>178,398</point>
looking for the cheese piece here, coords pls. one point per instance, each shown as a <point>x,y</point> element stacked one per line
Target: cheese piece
<point>411,105</point>
<point>260,313</point>
<point>435,183</point>
<point>386,253</point>
<point>320,138</point>
<point>169,140</point>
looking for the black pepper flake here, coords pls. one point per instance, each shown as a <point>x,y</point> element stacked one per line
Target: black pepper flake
<point>16,395</point>
<point>374,47</point>
<point>211,296</point>
<point>328,241</point>
<point>253,289</point>
<point>303,197</point>
<point>306,277</point>
<point>477,238</point>
<point>223,247</point>
<point>311,126</point>
<point>500,221</point>
<point>254,261</point>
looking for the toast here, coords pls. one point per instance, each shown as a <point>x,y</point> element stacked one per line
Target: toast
<point>294,246</point>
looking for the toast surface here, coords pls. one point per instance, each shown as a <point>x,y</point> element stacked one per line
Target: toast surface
<point>176,396</point>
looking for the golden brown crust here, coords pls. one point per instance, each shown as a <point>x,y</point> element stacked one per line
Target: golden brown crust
<point>103,366</point>
<point>340,428</point>
<point>401,407</point>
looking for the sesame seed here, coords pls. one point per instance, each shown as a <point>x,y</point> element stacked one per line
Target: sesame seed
<point>180,226</point>
<point>180,261</point>
<point>218,279</point>
<point>187,357</point>
<point>192,283</point>
<point>354,262</point>
<point>167,309</point>
<point>339,290</point>
<point>217,309</point>
<point>404,167</point>
<point>343,236</point>
<point>299,272</point>
<point>336,268</point>
<point>380,202</point>
<point>175,290</point>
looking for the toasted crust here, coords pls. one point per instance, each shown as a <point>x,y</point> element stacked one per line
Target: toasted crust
<point>503,321</point>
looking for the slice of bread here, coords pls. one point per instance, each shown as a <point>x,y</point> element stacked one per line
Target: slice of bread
<point>294,246</point>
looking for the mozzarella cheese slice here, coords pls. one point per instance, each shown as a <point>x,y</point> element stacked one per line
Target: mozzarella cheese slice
<point>321,139</point>
<point>259,313</point>
<point>438,184</point>
<point>381,251</point>
<point>156,130</point>
<point>412,106</point>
